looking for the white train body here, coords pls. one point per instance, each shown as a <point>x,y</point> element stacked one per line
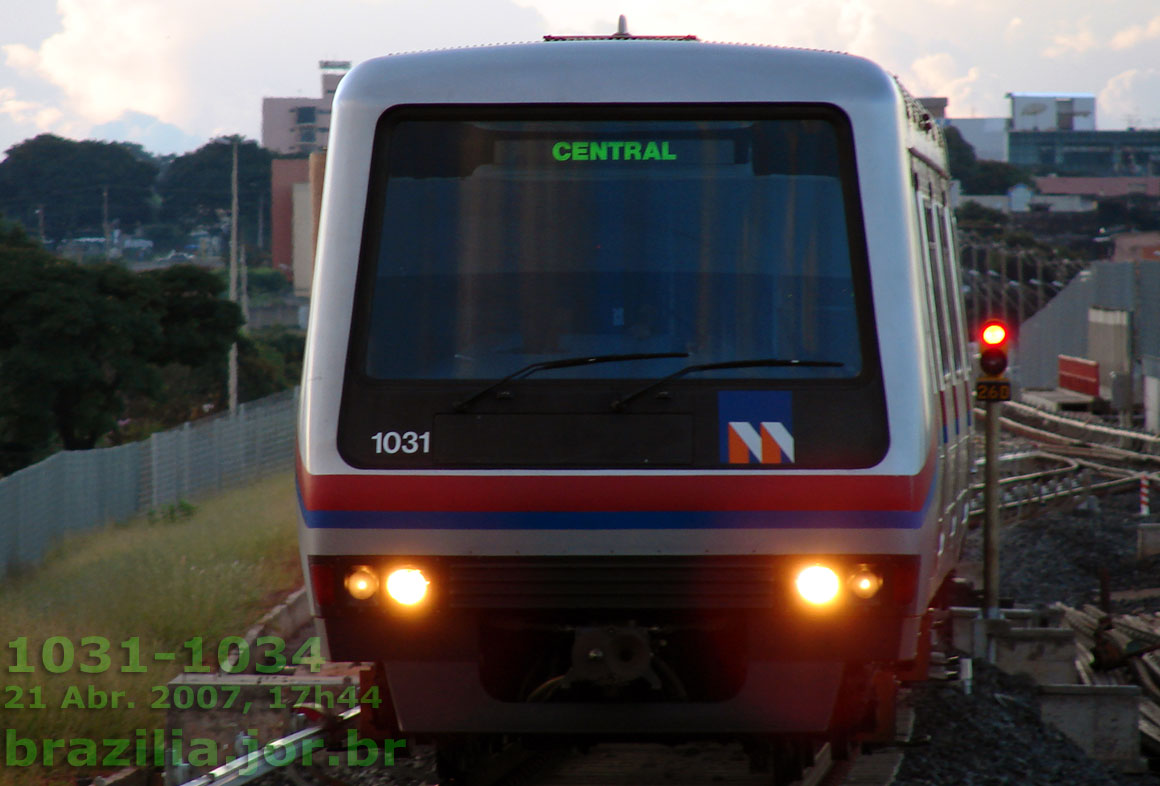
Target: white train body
<point>493,208</point>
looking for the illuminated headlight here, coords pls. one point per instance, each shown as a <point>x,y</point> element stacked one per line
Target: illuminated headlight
<point>818,585</point>
<point>361,582</point>
<point>864,582</point>
<point>407,586</point>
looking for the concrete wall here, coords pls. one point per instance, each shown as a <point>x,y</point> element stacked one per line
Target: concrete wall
<point>303,239</point>
<point>1108,344</point>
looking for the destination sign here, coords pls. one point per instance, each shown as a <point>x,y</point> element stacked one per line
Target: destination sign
<point>612,151</point>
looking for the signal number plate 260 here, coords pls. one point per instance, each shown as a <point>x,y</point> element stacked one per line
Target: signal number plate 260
<point>392,442</point>
<point>993,390</point>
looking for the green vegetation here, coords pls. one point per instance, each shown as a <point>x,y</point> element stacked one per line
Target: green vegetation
<point>197,185</point>
<point>183,573</point>
<point>75,183</point>
<point>76,189</point>
<point>981,177</point>
<point>79,343</point>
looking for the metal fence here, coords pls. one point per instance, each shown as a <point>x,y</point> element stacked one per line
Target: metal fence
<point>76,490</point>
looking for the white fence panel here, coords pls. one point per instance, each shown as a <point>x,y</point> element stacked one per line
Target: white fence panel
<point>76,490</point>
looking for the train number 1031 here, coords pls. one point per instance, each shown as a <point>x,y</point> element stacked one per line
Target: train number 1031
<point>392,442</point>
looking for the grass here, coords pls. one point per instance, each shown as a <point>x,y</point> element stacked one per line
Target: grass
<point>207,573</point>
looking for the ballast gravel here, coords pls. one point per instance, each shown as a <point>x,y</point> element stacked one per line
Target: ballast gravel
<point>994,736</point>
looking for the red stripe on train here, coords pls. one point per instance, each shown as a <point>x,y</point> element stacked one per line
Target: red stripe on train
<point>580,493</point>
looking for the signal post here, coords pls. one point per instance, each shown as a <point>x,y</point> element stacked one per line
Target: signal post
<point>992,388</point>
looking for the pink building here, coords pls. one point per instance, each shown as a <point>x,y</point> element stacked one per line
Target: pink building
<point>284,174</point>
<point>302,125</point>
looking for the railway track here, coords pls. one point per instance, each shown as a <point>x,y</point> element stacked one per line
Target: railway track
<point>1086,459</point>
<point>606,764</point>
<point>316,755</point>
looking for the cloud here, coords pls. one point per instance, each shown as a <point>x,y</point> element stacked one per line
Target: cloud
<point>204,65</point>
<point>149,132</point>
<point>1129,99</point>
<point>33,116</point>
<point>1014,31</point>
<point>1136,34</point>
<point>968,91</point>
<point>1079,40</point>
<point>109,55</point>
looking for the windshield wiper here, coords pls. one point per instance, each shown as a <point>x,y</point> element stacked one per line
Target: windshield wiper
<point>621,403</point>
<point>583,360</point>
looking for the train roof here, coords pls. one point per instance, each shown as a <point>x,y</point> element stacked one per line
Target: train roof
<point>615,70</point>
<point>636,70</point>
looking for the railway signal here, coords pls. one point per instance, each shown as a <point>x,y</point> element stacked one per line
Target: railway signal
<point>993,385</point>
<point>993,359</point>
<point>991,389</point>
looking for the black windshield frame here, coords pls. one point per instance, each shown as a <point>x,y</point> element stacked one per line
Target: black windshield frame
<point>372,237</point>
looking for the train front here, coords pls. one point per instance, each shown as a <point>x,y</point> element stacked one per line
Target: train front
<point>594,432</point>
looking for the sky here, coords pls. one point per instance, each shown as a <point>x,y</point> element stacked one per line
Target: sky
<point>172,74</point>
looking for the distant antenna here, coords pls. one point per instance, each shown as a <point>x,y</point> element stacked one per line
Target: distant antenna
<point>621,34</point>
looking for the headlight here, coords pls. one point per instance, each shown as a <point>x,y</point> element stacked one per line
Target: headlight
<point>864,582</point>
<point>407,586</point>
<point>818,585</point>
<point>361,582</point>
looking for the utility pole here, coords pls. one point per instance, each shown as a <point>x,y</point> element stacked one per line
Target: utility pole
<point>991,511</point>
<point>1128,415</point>
<point>105,218</point>
<point>1019,273</point>
<point>245,293</point>
<point>233,383</point>
<point>258,241</point>
<point>1039,278</point>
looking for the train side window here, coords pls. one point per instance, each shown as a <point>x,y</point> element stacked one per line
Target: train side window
<point>951,289</point>
<point>928,291</point>
<point>934,264</point>
<point>954,286</point>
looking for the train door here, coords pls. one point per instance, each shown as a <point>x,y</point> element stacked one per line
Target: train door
<point>947,400</point>
<point>962,385</point>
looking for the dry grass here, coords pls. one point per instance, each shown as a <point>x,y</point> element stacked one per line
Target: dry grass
<point>206,576</point>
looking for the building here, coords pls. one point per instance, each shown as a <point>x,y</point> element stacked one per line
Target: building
<point>1106,314</point>
<point>988,135</point>
<point>1137,247</point>
<point>296,198</point>
<point>1052,112</point>
<point>1087,153</point>
<point>302,125</point>
<point>1022,199</point>
<point>285,174</point>
<point>1099,187</point>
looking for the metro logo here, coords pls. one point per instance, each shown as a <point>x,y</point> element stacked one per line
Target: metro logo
<point>756,427</point>
<point>772,445</point>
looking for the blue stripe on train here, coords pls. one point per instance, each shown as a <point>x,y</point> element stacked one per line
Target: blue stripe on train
<point>731,519</point>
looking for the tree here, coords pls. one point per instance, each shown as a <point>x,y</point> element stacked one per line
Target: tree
<point>960,153</point>
<point>980,176</point>
<point>76,343</point>
<point>196,186</point>
<point>69,182</point>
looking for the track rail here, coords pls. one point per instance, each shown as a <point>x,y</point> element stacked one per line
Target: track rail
<point>1117,468</point>
<point>273,756</point>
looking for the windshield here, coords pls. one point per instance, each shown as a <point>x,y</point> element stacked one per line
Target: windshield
<point>507,243</point>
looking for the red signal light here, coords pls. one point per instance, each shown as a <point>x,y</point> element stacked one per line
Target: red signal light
<point>993,358</point>
<point>994,333</point>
